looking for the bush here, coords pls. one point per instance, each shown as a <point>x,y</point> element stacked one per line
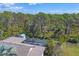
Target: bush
<point>49,48</point>
<point>5,51</point>
<point>72,40</point>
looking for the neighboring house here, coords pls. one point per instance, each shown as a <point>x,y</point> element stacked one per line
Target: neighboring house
<point>23,49</point>
<point>23,36</point>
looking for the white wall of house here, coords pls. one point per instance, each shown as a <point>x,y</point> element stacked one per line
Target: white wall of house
<point>23,36</point>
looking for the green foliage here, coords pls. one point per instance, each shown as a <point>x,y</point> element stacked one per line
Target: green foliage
<point>70,50</point>
<point>4,51</point>
<point>47,35</point>
<point>49,48</point>
<point>5,35</point>
<point>63,38</point>
<point>40,25</point>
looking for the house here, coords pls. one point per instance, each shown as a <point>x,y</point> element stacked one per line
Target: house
<point>23,36</point>
<point>23,49</point>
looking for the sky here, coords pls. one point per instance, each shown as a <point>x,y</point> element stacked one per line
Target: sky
<point>33,8</point>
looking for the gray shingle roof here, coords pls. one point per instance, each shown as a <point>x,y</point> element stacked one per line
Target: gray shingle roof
<point>36,51</point>
<point>23,49</point>
<point>14,39</point>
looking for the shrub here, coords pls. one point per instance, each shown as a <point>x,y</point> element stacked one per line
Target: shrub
<point>5,51</point>
<point>49,48</point>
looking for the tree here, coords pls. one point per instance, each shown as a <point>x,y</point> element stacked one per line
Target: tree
<point>63,39</point>
<point>49,48</point>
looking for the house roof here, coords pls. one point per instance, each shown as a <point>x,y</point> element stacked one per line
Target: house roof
<point>23,49</point>
<point>36,51</point>
<point>14,39</point>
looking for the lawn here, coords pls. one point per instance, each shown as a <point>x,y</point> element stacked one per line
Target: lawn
<point>70,49</point>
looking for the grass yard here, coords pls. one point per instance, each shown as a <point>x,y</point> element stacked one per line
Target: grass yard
<point>70,49</point>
